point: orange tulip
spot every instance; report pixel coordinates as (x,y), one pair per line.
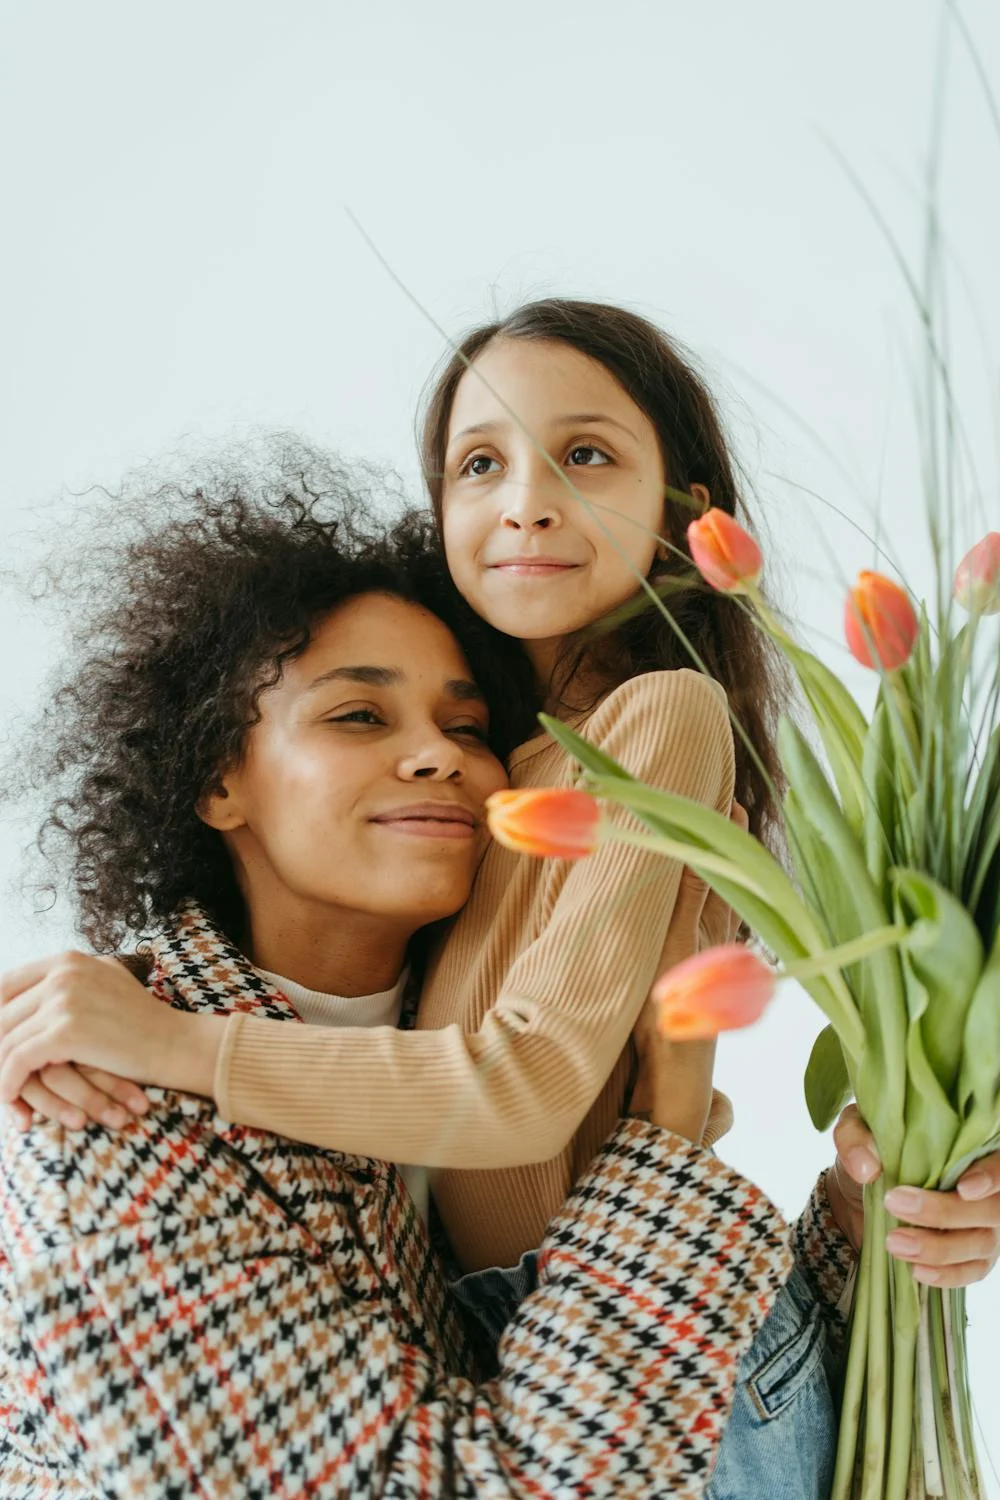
(545,821)
(878,616)
(725,555)
(721,989)
(977,577)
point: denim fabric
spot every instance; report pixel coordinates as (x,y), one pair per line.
(781,1438)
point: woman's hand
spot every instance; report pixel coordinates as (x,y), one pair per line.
(75,1009)
(950,1239)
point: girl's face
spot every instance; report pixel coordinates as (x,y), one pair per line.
(361,788)
(526,554)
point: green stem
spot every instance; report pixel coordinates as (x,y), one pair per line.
(846,954)
(879,1391)
(852,1400)
(930,1458)
(674,849)
(902,1432)
(951,1472)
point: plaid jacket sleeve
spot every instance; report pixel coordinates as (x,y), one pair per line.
(193,1309)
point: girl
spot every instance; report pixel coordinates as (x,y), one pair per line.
(521,1057)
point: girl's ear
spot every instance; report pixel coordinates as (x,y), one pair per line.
(221,808)
(701,494)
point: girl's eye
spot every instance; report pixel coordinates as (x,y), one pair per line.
(356,716)
(478,465)
(586,455)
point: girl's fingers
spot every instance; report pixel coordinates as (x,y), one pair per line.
(40,1099)
(945,1211)
(953,1276)
(15,981)
(981,1180)
(23,1114)
(856,1146)
(69,1085)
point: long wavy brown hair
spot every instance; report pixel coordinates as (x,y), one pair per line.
(720,632)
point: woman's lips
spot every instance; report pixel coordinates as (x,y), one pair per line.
(429,820)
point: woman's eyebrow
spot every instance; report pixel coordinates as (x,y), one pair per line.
(464,690)
(370,676)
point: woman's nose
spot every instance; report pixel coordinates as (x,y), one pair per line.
(438,758)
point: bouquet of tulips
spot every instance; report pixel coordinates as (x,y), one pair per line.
(891,922)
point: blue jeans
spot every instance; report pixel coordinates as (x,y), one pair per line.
(781,1438)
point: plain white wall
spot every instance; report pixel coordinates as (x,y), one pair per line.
(176,261)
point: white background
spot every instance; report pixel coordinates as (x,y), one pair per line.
(176,262)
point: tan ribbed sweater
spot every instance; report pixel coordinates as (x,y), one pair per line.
(526,1013)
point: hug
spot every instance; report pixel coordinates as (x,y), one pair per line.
(365,1176)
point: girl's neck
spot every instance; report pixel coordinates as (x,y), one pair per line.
(562,697)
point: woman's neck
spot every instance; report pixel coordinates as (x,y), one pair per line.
(332,952)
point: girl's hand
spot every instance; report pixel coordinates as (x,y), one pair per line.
(92,1012)
(950,1239)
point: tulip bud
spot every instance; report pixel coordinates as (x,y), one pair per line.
(563,823)
(725,555)
(879,618)
(721,989)
(977,577)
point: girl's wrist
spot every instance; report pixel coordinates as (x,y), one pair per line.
(187,1059)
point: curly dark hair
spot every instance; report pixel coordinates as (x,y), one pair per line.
(662,380)
(180,627)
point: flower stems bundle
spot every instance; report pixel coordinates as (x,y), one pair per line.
(890,919)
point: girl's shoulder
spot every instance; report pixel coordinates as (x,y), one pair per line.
(653,694)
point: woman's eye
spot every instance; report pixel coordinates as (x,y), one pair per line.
(585,454)
(356,716)
(478,465)
(475,730)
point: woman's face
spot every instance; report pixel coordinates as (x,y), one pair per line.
(361,788)
(526,554)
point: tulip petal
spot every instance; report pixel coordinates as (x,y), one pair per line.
(880,622)
(725,554)
(721,989)
(564,823)
(977,577)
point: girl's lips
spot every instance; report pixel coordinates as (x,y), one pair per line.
(533,567)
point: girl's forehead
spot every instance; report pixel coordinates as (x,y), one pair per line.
(532,376)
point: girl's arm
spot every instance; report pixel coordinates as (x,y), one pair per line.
(515,1091)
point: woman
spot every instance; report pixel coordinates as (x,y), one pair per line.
(279,759)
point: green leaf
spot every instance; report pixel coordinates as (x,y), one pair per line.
(979,1077)
(782,919)
(880,800)
(945,954)
(827,1081)
(842,728)
(852,904)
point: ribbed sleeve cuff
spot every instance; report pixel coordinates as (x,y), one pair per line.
(224,1066)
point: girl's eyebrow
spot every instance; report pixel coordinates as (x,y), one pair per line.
(460,688)
(572,419)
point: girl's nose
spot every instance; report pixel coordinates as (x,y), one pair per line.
(529,504)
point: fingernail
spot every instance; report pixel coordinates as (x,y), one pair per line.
(116,1118)
(906,1246)
(904,1200)
(976,1185)
(73,1119)
(139,1104)
(925,1274)
(863,1164)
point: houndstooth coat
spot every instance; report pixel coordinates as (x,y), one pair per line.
(190,1308)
